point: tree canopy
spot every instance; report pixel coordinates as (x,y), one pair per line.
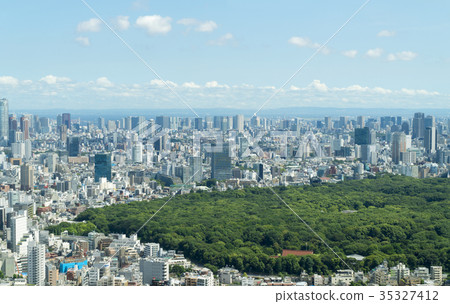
(396,218)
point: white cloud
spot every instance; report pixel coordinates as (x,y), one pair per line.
(215,84)
(140,5)
(188,21)
(27,82)
(306,42)
(405,56)
(122,22)
(356,88)
(154,24)
(8,80)
(319,86)
(207,26)
(91,25)
(83,41)
(190,85)
(160,83)
(386,33)
(222,40)
(350,53)
(104,82)
(50,79)
(382,90)
(197,25)
(412,92)
(374,53)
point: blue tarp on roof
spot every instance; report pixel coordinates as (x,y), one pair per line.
(63,267)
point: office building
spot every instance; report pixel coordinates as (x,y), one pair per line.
(429,122)
(418,125)
(360,121)
(137,153)
(73,146)
(103,166)
(343,121)
(163,121)
(198,123)
(398,146)
(66,120)
(154,269)
(4,121)
(430,140)
(36,264)
(260,172)
(238,123)
(26,177)
(101,123)
(25,126)
(137,123)
(362,136)
(18,231)
(328,123)
(196,171)
(221,162)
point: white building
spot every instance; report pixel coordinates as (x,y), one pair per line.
(151,250)
(157,269)
(36,264)
(18,231)
(343,277)
(436,273)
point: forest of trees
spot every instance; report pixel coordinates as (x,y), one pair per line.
(394,218)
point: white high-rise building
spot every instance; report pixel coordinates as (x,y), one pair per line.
(18,231)
(151,250)
(137,153)
(238,123)
(36,264)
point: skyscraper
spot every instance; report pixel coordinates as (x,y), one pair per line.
(398,146)
(221,162)
(238,123)
(66,120)
(137,153)
(4,121)
(360,121)
(429,122)
(163,121)
(430,141)
(362,136)
(260,172)
(328,123)
(18,230)
(26,177)
(36,264)
(418,125)
(195,165)
(25,127)
(73,146)
(103,166)
(100,122)
(198,123)
(343,121)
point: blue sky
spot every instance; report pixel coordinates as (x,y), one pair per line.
(57,54)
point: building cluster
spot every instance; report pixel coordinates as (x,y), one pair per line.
(382,275)
(54,168)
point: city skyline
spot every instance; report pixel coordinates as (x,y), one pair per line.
(224,55)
